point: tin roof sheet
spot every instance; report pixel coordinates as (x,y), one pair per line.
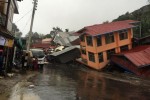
(140,58)
(107,27)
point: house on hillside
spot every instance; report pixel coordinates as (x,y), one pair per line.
(66,39)
(100,41)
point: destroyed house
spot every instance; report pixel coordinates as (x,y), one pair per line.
(99,41)
(136,60)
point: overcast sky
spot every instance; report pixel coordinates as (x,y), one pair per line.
(71,14)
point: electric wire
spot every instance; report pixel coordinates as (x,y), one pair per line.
(26,24)
(23,16)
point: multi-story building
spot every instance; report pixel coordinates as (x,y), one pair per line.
(99,42)
(7,10)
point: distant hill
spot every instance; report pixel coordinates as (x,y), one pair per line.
(143,15)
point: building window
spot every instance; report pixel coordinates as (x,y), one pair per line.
(123,34)
(100,56)
(109,53)
(91,56)
(82,38)
(124,48)
(109,38)
(99,41)
(83,52)
(89,41)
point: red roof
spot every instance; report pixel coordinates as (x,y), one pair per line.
(42,45)
(107,27)
(140,56)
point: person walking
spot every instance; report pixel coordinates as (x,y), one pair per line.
(35,63)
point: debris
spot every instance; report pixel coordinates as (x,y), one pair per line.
(1,77)
(10,74)
(31,86)
(66,55)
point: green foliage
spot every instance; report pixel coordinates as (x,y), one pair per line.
(142,15)
(15,28)
(55,30)
(47,36)
(16,32)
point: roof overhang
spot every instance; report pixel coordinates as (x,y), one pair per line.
(114,31)
(81,31)
(6,33)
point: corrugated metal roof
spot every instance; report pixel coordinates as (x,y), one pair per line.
(107,27)
(64,50)
(140,58)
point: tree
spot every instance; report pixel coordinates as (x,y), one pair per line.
(41,36)
(16,32)
(35,35)
(47,36)
(105,22)
(142,15)
(15,28)
(55,30)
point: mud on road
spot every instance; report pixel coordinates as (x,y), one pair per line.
(7,83)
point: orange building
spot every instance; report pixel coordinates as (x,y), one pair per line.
(99,41)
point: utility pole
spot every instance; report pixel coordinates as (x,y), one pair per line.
(31,26)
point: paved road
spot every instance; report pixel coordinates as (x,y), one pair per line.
(66,82)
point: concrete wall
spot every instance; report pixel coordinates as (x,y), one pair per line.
(104,47)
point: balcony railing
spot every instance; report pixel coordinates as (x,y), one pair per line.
(2,19)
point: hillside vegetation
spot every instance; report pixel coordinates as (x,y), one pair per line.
(143,15)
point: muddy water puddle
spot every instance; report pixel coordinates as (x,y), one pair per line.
(67,83)
(22,91)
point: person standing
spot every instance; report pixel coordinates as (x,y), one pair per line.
(35,63)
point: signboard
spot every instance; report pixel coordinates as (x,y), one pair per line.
(9,43)
(2,41)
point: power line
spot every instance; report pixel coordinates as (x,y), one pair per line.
(26,24)
(23,16)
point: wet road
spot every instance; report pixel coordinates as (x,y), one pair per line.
(65,82)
